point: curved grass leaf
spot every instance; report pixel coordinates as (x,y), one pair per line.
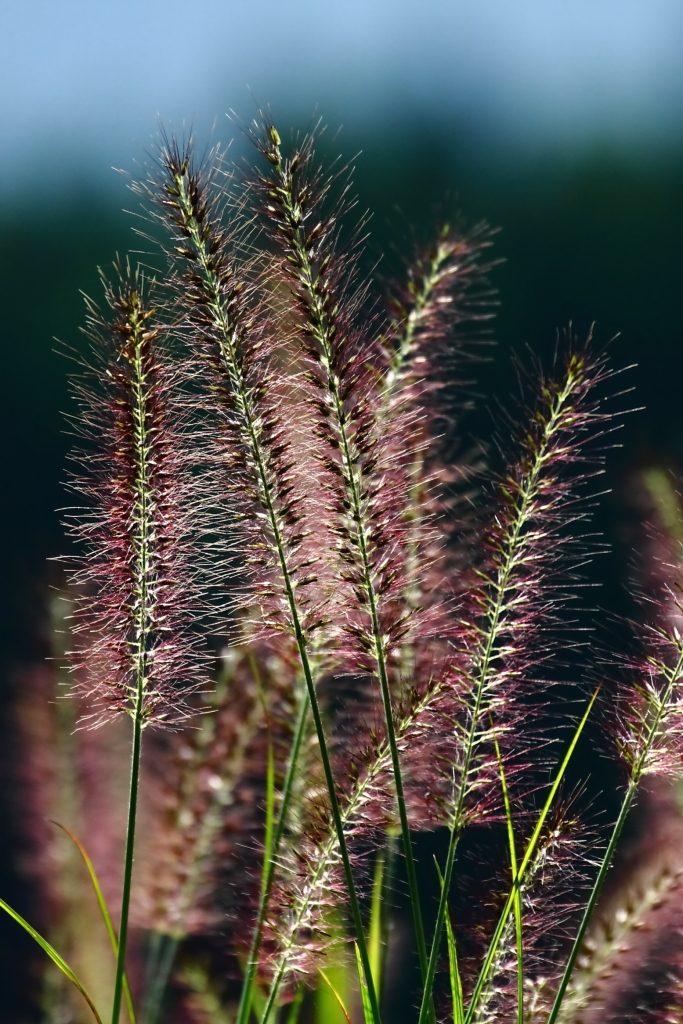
(456,984)
(528,854)
(375,934)
(54,956)
(368,1015)
(104,910)
(336,995)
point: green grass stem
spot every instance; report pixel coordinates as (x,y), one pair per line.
(509,824)
(128,862)
(104,910)
(528,854)
(636,775)
(323,330)
(251,436)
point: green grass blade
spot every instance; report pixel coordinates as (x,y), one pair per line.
(604,868)
(513,869)
(257,999)
(528,854)
(54,956)
(268,840)
(368,1015)
(375,936)
(295,1006)
(248,986)
(162,956)
(456,984)
(270,812)
(136,749)
(336,995)
(104,910)
(673,677)
(332,998)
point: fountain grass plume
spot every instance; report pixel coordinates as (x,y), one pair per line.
(256,448)
(135,578)
(137,600)
(267,454)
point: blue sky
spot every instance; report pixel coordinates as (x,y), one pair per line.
(84,81)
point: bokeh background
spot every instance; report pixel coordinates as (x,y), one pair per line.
(560,121)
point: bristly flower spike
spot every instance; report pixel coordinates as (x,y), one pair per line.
(446,288)
(140,653)
(506,637)
(364,477)
(650,726)
(239,356)
(436,318)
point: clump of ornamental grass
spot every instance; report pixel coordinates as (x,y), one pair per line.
(333,639)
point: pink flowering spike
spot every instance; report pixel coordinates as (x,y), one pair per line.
(437,316)
(138,652)
(266,490)
(258,461)
(648,716)
(512,617)
(358,466)
(363,459)
(554,885)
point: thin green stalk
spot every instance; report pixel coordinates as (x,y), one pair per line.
(54,956)
(518,894)
(104,911)
(363,986)
(162,960)
(387,894)
(268,875)
(453,969)
(614,839)
(528,854)
(375,931)
(229,355)
(270,776)
(128,862)
(270,809)
(325,334)
(142,569)
(528,491)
